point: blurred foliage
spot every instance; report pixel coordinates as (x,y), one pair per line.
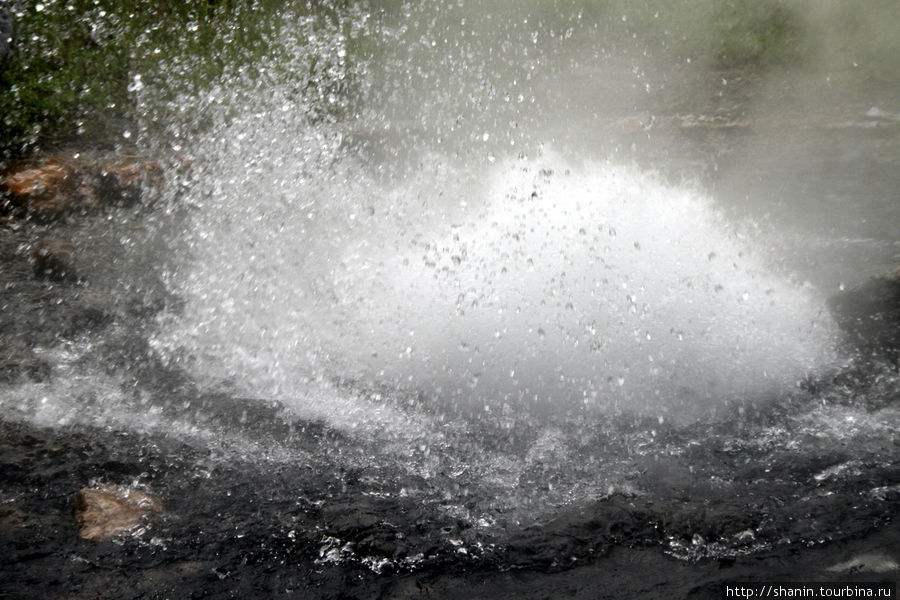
(763,32)
(724,33)
(822,35)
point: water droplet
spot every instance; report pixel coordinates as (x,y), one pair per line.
(136,84)
(745,536)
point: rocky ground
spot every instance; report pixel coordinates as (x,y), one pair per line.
(226,531)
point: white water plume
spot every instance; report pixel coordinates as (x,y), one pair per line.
(529,285)
(537,286)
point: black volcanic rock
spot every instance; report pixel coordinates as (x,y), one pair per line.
(870,314)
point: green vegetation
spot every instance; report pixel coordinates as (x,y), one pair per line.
(74,60)
(79,63)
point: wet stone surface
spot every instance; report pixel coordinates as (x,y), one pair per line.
(229,530)
(870,314)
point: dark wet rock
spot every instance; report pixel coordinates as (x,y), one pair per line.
(349,520)
(14,517)
(121,182)
(91,309)
(360,526)
(584,531)
(870,314)
(53,258)
(107,512)
(23,364)
(237,530)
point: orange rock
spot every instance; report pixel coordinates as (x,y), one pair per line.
(45,193)
(132,173)
(71,183)
(40,182)
(109,511)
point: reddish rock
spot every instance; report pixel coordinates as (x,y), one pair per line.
(50,209)
(106,512)
(41,182)
(44,193)
(134,172)
(87,196)
(75,183)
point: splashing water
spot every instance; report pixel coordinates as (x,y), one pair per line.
(539,285)
(507,325)
(438,291)
(533,285)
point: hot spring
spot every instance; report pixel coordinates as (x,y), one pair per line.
(447,270)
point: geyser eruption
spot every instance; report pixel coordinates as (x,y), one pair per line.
(593,286)
(533,286)
(437,248)
(426,294)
